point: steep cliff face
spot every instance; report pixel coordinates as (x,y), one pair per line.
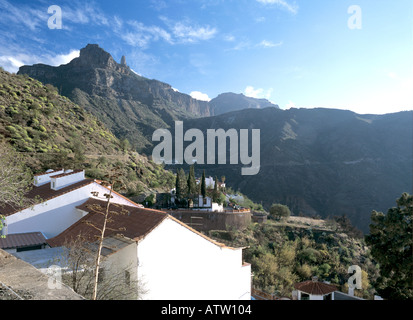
(130,105)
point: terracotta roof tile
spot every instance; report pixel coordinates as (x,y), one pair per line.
(21,240)
(44,193)
(138,222)
(315,287)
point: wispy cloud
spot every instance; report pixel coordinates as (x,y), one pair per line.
(25,16)
(269,44)
(84,13)
(246,44)
(186,31)
(293,8)
(141,35)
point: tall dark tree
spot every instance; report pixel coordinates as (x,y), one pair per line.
(391,242)
(203,185)
(181,184)
(191,181)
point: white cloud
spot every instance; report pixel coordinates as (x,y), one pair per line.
(259,93)
(290,105)
(269,44)
(200,96)
(293,8)
(64,58)
(13,63)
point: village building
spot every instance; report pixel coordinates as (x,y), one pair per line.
(316,290)
(56,194)
(171,260)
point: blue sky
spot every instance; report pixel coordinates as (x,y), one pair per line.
(296,53)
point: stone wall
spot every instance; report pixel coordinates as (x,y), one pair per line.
(206,221)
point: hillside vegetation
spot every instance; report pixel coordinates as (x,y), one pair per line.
(51,131)
(284,253)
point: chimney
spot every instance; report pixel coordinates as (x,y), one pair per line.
(43,178)
(123,61)
(314,279)
(66,179)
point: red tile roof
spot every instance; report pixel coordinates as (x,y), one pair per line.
(315,287)
(137,222)
(21,240)
(43,193)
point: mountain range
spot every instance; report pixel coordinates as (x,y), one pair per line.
(130,105)
(317,161)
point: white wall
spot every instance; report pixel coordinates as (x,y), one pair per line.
(56,215)
(177,264)
(122,260)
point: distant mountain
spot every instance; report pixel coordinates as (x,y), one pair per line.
(227,102)
(322,161)
(131,106)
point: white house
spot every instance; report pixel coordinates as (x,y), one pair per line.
(60,192)
(170,259)
(314,290)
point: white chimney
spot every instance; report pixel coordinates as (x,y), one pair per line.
(43,178)
(66,179)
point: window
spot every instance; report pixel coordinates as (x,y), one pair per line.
(305,296)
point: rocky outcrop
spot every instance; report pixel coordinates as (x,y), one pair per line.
(132,106)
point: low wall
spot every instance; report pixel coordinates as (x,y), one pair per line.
(206,221)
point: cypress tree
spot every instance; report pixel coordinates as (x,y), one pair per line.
(191,181)
(203,185)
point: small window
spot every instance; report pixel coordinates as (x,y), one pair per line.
(53,185)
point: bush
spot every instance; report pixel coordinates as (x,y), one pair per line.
(280,212)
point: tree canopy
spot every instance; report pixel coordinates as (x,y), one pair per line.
(391,244)
(280,211)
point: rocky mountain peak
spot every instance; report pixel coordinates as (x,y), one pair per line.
(93,56)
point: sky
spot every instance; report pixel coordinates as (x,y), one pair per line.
(355,55)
